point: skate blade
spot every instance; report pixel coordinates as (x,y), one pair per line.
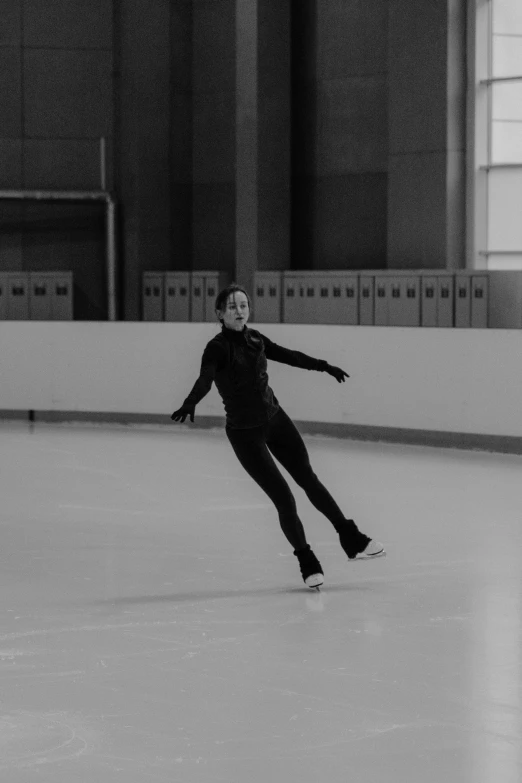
(314,581)
(369,557)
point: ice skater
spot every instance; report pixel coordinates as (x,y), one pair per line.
(257,427)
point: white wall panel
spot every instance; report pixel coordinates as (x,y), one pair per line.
(436,379)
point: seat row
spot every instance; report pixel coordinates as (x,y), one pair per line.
(36,296)
(419,298)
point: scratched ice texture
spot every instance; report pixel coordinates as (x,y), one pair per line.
(154,625)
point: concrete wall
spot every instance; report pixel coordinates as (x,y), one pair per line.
(379,134)
(181,133)
(340,134)
(56,101)
(143,144)
(199,101)
(214,150)
(263,137)
(426,157)
(461,381)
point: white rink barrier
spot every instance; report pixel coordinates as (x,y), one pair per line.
(463,381)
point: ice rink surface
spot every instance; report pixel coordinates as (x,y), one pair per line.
(155,627)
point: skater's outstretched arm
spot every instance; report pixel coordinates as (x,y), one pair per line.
(298,359)
(212,356)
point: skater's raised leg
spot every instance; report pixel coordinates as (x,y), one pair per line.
(286,444)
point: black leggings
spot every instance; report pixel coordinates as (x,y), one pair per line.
(281,437)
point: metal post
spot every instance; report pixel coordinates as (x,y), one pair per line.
(111,258)
(52,195)
(110,228)
(103,166)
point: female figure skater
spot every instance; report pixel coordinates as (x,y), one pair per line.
(236,360)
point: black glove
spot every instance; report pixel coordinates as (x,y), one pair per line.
(336,373)
(185,410)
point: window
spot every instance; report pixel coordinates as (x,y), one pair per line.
(497,137)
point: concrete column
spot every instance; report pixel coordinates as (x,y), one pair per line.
(340,134)
(426,111)
(181,133)
(213,133)
(142,150)
(262,137)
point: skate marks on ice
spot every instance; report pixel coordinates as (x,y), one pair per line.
(31,739)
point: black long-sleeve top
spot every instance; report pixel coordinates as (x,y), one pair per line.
(237,363)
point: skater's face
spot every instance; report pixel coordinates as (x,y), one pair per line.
(236,312)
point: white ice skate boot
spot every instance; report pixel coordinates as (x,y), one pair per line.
(372,550)
(310,567)
(357,545)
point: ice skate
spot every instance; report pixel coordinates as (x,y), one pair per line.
(360,547)
(372,550)
(310,566)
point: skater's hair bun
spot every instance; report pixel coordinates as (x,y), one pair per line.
(222,297)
